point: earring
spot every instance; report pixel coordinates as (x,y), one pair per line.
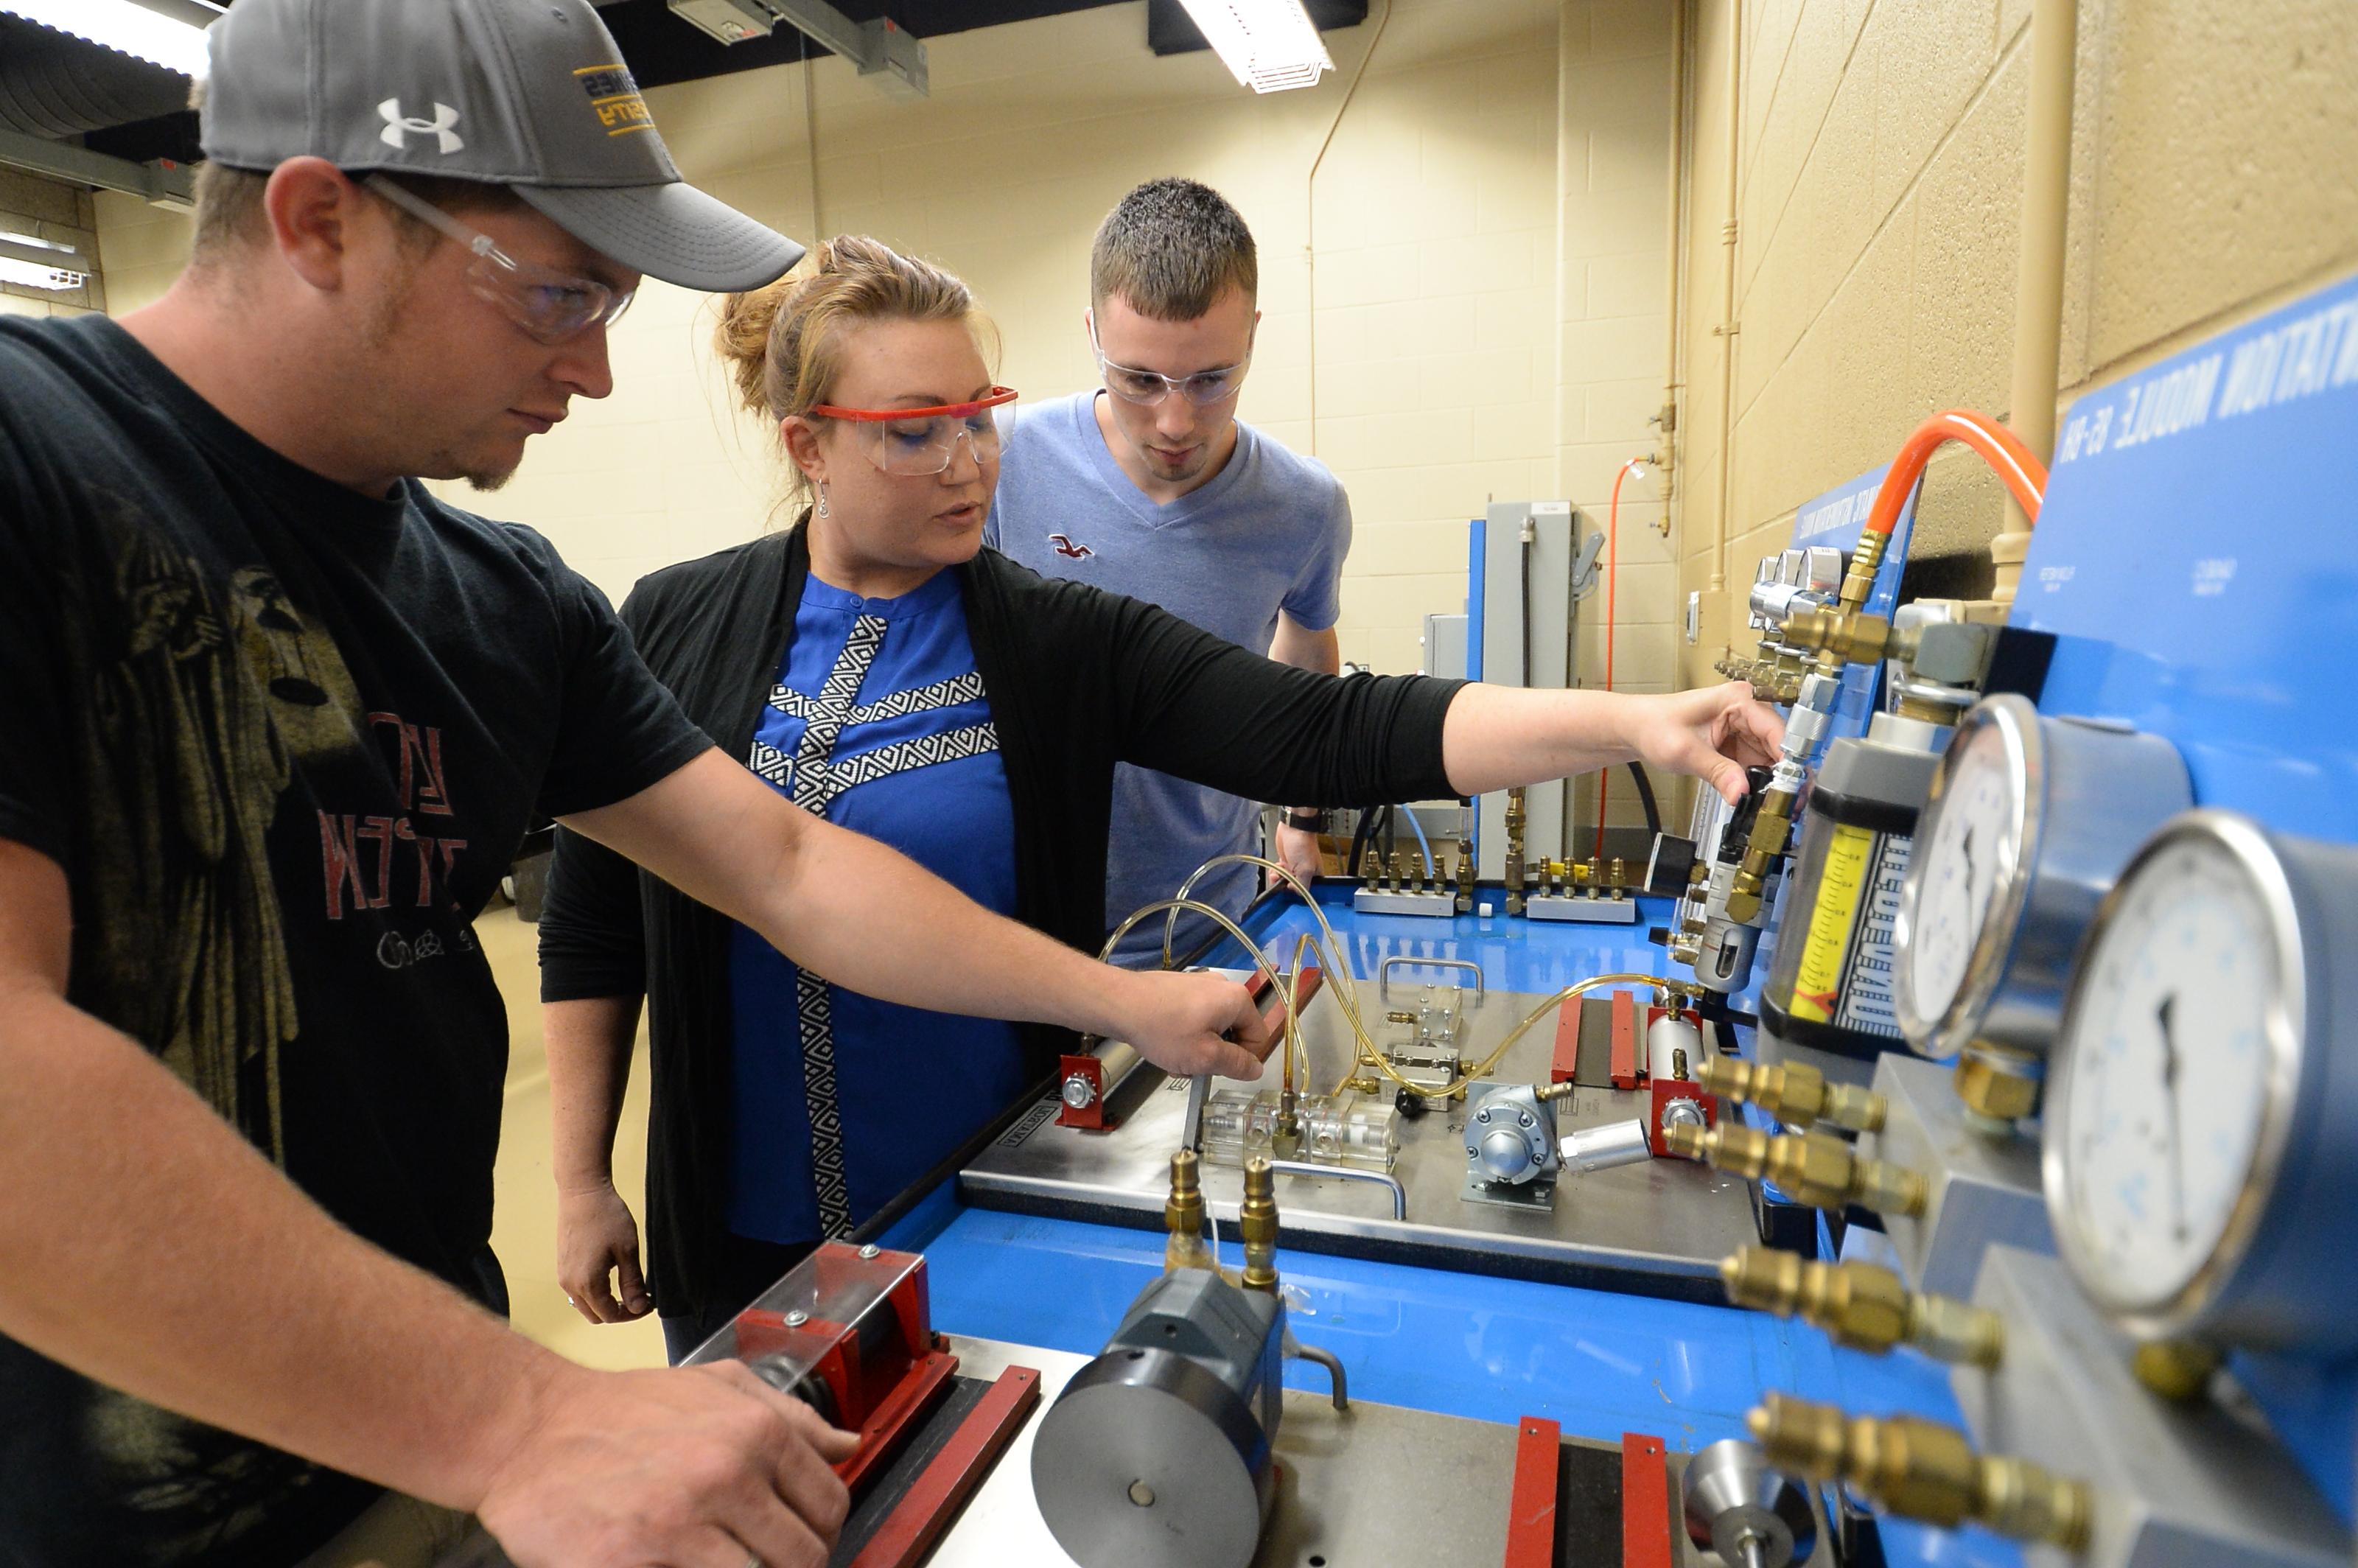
(822,501)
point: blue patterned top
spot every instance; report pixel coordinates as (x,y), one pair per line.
(877,722)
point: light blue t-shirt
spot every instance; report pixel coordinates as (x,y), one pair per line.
(877,721)
(1269,532)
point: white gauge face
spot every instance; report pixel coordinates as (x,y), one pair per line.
(2164,1092)
(1975,835)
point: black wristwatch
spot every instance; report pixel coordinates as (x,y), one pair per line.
(1307,821)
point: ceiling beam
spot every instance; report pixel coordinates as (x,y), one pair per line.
(879,47)
(165,184)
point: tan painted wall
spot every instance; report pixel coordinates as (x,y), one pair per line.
(1881,171)
(1456,360)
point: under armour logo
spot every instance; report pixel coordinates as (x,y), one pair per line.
(398,127)
(1070,551)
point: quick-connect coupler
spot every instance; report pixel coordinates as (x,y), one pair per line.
(1920,1469)
(1183,1215)
(1794,1093)
(1256,1220)
(1812,1168)
(1862,1306)
(1859,580)
(1772,825)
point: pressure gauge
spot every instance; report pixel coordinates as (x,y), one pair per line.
(2030,819)
(2200,1150)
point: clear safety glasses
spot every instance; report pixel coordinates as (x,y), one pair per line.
(915,442)
(1203,389)
(551,306)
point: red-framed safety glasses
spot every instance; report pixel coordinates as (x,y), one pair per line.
(915,442)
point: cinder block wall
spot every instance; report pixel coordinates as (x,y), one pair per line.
(1456,359)
(1879,173)
(63,214)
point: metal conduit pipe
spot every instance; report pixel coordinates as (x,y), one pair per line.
(1675,250)
(1726,328)
(2039,295)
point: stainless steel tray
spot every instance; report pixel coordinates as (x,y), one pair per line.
(1658,1228)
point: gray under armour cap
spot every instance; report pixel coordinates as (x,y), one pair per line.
(532,94)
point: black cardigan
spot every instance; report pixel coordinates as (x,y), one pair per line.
(1076,680)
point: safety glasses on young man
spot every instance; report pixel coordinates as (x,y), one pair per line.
(1203,389)
(551,306)
(915,442)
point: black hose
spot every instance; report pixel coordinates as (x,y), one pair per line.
(1646,794)
(1530,533)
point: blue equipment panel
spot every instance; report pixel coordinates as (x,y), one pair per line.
(2197,561)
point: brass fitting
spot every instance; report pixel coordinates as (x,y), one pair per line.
(1844,636)
(1512,874)
(1862,1306)
(1921,1469)
(1794,1093)
(1814,1168)
(1370,866)
(2177,1369)
(1465,900)
(1859,580)
(1183,1215)
(1988,1088)
(1771,825)
(1258,1222)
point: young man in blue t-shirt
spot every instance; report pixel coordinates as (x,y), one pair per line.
(1151,487)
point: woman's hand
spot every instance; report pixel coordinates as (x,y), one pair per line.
(1714,733)
(598,1255)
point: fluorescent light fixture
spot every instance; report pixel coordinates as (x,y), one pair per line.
(36,262)
(31,262)
(122,26)
(1268,45)
(27,277)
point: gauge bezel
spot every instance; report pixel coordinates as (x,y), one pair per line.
(2017,723)
(2285,1026)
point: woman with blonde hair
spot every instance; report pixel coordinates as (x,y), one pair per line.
(878,665)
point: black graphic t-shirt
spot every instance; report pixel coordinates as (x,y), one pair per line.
(284,740)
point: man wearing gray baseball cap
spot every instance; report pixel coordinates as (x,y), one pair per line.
(274,721)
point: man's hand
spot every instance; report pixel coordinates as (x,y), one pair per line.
(1297,851)
(1175,1020)
(1713,732)
(707,1465)
(597,1239)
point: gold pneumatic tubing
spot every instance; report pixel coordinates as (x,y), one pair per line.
(1344,995)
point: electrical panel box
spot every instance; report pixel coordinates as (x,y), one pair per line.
(1445,646)
(1521,622)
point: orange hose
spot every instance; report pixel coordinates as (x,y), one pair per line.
(1612,580)
(2013,462)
